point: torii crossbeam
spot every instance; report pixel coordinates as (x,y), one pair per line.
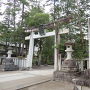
(49,25)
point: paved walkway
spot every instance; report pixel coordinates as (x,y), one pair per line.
(24,74)
(12,80)
(35,79)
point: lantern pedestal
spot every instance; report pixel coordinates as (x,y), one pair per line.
(69,66)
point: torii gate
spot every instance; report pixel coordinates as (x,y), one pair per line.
(42,34)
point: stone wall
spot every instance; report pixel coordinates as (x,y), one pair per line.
(82,82)
(65,76)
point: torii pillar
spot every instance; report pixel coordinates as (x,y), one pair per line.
(89,38)
(30,52)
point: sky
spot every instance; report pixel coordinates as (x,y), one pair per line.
(2,8)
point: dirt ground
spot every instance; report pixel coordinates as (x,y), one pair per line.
(51,85)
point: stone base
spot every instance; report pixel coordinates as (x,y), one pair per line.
(65,76)
(83,81)
(77,87)
(9,67)
(69,66)
(67,69)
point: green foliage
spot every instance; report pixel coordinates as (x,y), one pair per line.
(36,17)
(77,25)
(80,51)
(47,50)
(20,57)
(4,33)
(39,19)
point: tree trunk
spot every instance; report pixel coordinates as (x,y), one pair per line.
(19,49)
(40,54)
(15,28)
(23,37)
(79,24)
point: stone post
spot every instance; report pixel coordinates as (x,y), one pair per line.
(82,67)
(87,64)
(59,62)
(9,52)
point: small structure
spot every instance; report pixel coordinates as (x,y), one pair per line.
(69,67)
(7,63)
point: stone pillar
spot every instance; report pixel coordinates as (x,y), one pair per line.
(87,64)
(30,52)
(82,66)
(56,51)
(9,52)
(89,38)
(59,62)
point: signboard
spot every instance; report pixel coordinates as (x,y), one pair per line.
(41,30)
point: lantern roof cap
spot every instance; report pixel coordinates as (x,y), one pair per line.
(69,42)
(10,48)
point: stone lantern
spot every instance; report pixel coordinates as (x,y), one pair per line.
(69,49)
(69,67)
(8,63)
(9,52)
(69,64)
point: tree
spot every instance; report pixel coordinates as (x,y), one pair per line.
(4,35)
(36,17)
(78,25)
(13,7)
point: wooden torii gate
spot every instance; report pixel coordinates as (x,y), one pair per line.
(42,34)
